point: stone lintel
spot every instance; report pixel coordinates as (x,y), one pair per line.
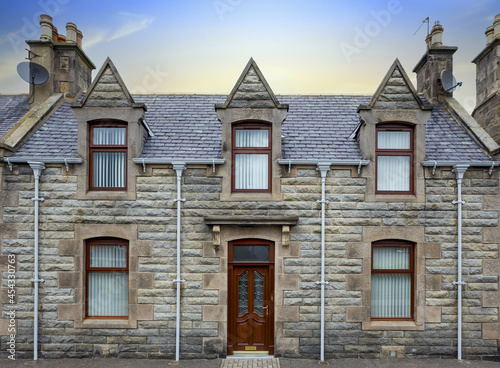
(251,221)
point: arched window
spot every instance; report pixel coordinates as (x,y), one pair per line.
(251,171)
(108,156)
(392,280)
(107,269)
(394,159)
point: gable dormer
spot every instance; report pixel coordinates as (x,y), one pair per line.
(251,120)
(396,92)
(392,137)
(251,91)
(110,134)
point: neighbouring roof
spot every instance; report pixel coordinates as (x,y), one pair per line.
(317,127)
(12,108)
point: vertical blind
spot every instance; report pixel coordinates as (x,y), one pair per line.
(252,138)
(109,136)
(251,171)
(108,291)
(393,140)
(391,293)
(393,173)
(108,167)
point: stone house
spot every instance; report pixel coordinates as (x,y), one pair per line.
(190,226)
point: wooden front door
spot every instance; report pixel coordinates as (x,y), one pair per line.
(251,297)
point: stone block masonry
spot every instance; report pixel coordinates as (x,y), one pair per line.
(149,223)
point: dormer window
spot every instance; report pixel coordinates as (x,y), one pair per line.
(108,156)
(394,157)
(251,158)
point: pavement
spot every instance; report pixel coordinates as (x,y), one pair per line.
(248,363)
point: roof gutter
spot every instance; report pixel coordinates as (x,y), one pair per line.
(45,160)
(434,164)
(171,161)
(315,162)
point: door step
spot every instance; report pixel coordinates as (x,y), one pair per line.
(266,361)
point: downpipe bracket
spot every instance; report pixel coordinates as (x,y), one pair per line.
(178,281)
(457,202)
(459,283)
(180,199)
(326,201)
(34,199)
(322,283)
(37,280)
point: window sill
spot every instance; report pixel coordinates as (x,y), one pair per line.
(108,323)
(250,196)
(107,195)
(393,326)
(378,197)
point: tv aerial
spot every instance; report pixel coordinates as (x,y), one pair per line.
(32,73)
(448,81)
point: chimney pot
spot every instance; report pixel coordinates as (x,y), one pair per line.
(489,35)
(71,32)
(428,42)
(61,38)
(79,36)
(437,35)
(46,25)
(54,34)
(496,26)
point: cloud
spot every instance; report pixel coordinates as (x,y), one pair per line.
(132,23)
(95,37)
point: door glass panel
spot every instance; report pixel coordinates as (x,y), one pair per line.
(251,253)
(258,290)
(243,293)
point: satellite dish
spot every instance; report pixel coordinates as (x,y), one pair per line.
(32,73)
(448,81)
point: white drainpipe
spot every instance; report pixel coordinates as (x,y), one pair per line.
(37,171)
(179,167)
(459,170)
(323,168)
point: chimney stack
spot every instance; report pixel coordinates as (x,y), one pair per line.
(70,70)
(429,68)
(487,110)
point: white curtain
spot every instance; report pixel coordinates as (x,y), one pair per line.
(391,293)
(108,291)
(394,140)
(252,138)
(393,173)
(251,171)
(109,136)
(108,169)
(391,258)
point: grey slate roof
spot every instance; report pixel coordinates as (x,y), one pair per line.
(446,140)
(185,126)
(317,127)
(12,108)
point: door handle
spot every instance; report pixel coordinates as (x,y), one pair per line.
(267,310)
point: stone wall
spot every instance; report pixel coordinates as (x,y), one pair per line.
(351,225)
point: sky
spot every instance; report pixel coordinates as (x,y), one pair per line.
(301,46)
